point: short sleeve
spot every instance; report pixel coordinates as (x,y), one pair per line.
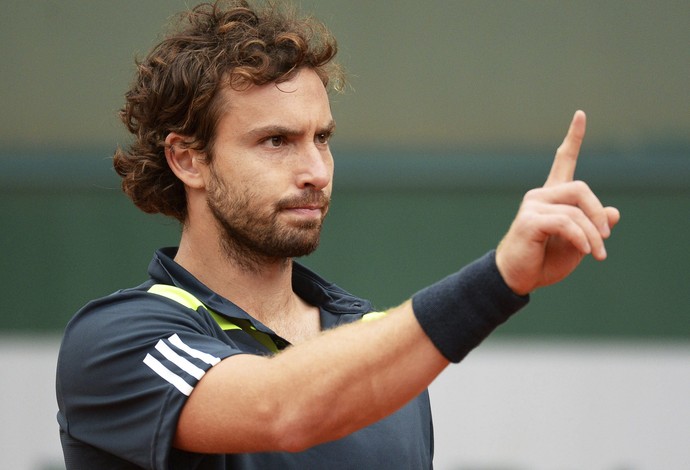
(126,366)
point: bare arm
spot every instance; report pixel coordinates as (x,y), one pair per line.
(321,390)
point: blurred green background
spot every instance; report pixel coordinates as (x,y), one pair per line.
(454,111)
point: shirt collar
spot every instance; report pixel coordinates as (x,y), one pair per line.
(337,305)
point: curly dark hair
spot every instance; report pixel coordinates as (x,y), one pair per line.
(177,86)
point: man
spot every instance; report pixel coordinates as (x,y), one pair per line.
(232,355)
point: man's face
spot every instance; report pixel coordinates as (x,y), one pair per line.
(269,182)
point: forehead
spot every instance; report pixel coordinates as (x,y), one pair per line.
(299,102)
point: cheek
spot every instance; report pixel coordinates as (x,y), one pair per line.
(332,171)
(330,165)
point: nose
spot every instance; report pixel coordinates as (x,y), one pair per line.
(315,168)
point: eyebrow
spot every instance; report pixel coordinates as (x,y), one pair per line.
(287,131)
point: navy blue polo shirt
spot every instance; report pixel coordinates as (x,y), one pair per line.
(129,361)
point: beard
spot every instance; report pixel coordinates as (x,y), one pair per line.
(252,235)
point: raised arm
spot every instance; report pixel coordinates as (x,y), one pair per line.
(352,376)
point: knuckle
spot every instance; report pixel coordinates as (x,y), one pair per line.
(562,220)
(581,186)
(529,217)
(532,194)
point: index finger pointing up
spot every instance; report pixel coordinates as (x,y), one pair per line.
(565,161)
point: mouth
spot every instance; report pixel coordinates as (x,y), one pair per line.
(311,206)
(309,211)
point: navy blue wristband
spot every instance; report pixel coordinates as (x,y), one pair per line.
(460,311)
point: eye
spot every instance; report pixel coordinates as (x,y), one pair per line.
(275,141)
(322,138)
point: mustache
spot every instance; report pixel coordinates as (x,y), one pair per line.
(311,198)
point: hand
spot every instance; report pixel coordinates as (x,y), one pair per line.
(556,225)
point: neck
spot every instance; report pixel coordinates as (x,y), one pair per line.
(257,285)
(264,290)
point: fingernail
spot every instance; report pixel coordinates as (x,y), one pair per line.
(605,230)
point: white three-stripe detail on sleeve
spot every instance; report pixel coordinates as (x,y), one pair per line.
(179,361)
(165,373)
(184,364)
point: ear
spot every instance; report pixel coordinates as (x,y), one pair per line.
(184,161)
